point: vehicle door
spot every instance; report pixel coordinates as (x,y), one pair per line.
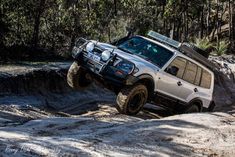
(170,81)
(188,88)
(196,82)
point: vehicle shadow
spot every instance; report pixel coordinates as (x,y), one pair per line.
(151,111)
(95,109)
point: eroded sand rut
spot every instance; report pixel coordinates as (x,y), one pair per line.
(34,91)
(33,78)
(30,88)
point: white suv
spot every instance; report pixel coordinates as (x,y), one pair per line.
(157,70)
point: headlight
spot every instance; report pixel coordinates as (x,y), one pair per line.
(90,47)
(105,55)
(125,66)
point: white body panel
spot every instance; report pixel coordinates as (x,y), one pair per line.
(166,83)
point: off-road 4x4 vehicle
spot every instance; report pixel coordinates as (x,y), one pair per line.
(138,69)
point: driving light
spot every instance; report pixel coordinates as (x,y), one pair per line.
(90,47)
(105,55)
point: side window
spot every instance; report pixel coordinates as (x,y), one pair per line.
(206,79)
(177,67)
(198,76)
(190,72)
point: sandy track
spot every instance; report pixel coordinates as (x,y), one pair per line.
(62,122)
(120,135)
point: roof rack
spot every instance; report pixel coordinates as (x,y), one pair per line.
(185,48)
(163,39)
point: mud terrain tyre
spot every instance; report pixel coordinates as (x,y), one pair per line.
(76,77)
(131,99)
(192,109)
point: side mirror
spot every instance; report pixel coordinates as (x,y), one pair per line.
(130,31)
(173,70)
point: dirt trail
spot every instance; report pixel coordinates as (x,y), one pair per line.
(32,91)
(120,135)
(41,116)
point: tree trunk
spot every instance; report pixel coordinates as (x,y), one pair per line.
(37,23)
(172,31)
(186,24)
(1,29)
(18,24)
(88,9)
(164,21)
(178,37)
(199,24)
(115,7)
(217,23)
(232,25)
(202,23)
(77,27)
(184,27)
(109,34)
(230,17)
(208,17)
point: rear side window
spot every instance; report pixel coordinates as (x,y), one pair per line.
(198,76)
(206,79)
(180,64)
(190,72)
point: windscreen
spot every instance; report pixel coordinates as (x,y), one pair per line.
(148,50)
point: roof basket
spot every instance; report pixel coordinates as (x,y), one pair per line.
(185,48)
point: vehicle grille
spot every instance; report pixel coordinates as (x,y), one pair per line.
(97,50)
(93,65)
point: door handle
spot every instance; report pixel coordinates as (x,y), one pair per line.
(179,83)
(195,90)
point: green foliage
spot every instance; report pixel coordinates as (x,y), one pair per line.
(203,43)
(221,48)
(60,22)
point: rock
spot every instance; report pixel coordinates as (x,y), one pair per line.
(228,102)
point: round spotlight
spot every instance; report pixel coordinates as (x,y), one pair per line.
(105,55)
(90,47)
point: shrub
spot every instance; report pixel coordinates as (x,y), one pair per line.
(203,43)
(221,48)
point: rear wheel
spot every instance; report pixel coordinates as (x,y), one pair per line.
(192,109)
(76,77)
(130,100)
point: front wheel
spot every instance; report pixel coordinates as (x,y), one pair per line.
(76,77)
(131,99)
